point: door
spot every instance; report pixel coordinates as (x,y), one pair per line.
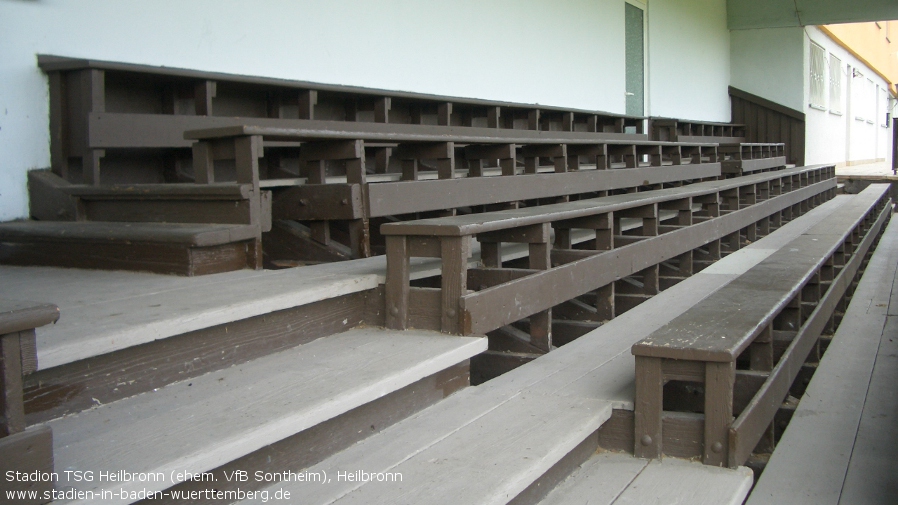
(634,32)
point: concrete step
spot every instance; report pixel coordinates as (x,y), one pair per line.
(201,424)
(610,478)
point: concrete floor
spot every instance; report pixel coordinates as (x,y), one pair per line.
(879,168)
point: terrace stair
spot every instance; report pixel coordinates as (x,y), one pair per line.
(542,420)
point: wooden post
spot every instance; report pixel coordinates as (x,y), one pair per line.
(454,253)
(720,378)
(307,101)
(203,94)
(541,322)
(12,406)
(648,408)
(203,162)
(396,289)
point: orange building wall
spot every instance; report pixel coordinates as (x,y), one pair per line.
(876,44)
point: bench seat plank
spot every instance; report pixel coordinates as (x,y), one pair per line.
(480,223)
(20,315)
(720,328)
(315,130)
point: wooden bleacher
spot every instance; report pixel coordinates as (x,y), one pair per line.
(849,403)
(26,449)
(512,232)
(621,265)
(102,113)
(745,360)
(737,156)
(454,447)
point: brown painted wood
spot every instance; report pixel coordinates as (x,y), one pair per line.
(705,193)
(648,408)
(454,253)
(319,202)
(565,331)
(48,200)
(491,364)
(392,199)
(20,315)
(12,410)
(504,304)
(719,381)
(155,257)
(752,423)
(397,283)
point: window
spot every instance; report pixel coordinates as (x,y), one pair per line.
(818,76)
(835,84)
(634,34)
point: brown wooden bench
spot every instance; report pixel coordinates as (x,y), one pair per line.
(744,158)
(848,403)
(745,345)
(24,450)
(737,156)
(707,218)
(180,228)
(681,130)
(131,118)
(443,149)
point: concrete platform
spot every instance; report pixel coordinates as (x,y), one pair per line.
(619,479)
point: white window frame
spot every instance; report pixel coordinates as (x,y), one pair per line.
(817,77)
(835,84)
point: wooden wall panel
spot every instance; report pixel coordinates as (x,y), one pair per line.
(767,121)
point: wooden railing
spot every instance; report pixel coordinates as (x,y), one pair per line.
(632,234)
(727,342)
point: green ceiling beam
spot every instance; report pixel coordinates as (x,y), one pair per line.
(749,14)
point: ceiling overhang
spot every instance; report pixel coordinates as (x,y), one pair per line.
(749,14)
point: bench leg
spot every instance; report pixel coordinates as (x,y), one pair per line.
(719,381)
(648,407)
(359,238)
(12,407)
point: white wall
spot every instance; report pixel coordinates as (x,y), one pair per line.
(689,59)
(768,63)
(566,53)
(842,138)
